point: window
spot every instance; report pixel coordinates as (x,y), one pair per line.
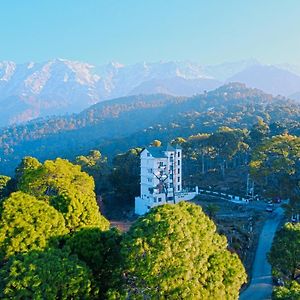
(178,171)
(178,188)
(178,162)
(171,185)
(148,154)
(178,179)
(171,176)
(161,163)
(178,154)
(150,171)
(149,179)
(159,199)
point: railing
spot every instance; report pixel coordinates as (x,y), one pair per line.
(222,195)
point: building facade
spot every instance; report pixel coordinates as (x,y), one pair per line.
(161,178)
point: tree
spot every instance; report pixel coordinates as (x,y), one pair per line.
(91,160)
(174,252)
(228,142)
(3,185)
(52,274)
(275,166)
(212,210)
(100,250)
(27,224)
(199,149)
(96,166)
(259,132)
(125,176)
(68,189)
(27,164)
(288,292)
(156,143)
(285,252)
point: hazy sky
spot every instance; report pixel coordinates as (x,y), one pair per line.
(129,31)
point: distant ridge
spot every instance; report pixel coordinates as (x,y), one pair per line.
(61,86)
(116,125)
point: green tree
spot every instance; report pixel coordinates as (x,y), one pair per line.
(125,176)
(259,132)
(27,224)
(290,291)
(68,189)
(228,142)
(285,252)
(52,274)
(174,252)
(3,185)
(96,166)
(275,166)
(27,164)
(212,210)
(100,250)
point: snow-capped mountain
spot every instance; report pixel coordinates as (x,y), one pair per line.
(61,86)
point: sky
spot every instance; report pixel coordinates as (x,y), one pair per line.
(130,31)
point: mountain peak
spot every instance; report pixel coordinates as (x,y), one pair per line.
(60,86)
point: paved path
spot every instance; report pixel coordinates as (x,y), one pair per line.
(260,287)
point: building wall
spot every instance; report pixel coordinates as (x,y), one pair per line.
(152,168)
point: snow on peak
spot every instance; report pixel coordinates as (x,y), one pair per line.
(7,69)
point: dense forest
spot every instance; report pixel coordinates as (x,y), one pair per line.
(117,125)
(55,244)
(50,217)
(50,210)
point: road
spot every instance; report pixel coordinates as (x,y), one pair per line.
(260,287)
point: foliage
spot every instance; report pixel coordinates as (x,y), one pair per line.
(27,224)
(100,250)
(174,252)
(276,163)
(52,274)
(125,176)
(68,189)
(27,164)
(97,166)
(285,252)
(3,185)
(156,143)
(288,292)
(259,132)
(147,118)
(212,210)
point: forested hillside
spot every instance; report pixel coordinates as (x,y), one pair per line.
(118,125)
(55,244)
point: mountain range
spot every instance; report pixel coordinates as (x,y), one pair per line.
(60,86)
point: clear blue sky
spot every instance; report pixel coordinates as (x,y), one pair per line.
(129,31)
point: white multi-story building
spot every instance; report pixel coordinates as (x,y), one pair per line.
(161,178)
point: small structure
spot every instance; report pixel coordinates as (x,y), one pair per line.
(161,178)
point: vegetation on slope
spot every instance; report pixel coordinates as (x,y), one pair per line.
(115,126)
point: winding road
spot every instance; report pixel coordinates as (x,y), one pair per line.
(260,287)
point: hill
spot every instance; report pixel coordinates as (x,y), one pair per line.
(270,79)
(59,86)
(116,125)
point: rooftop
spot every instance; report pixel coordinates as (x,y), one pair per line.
(158,152)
